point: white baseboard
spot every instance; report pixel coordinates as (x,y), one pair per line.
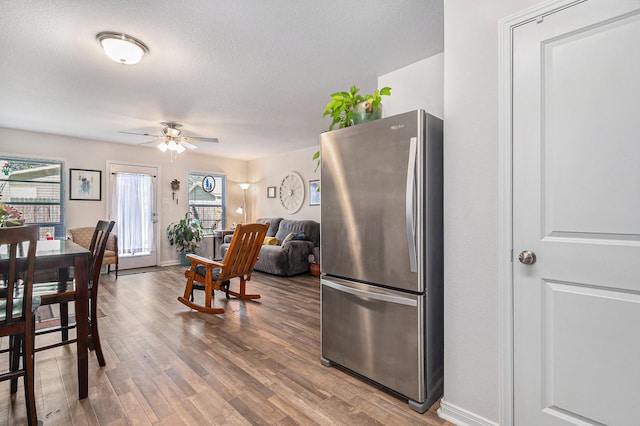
(461,417)
(170,263)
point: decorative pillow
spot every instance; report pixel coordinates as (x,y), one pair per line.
(274,223)
(270,241)
(300,236)
(288,238)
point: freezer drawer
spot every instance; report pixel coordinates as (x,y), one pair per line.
(375,332)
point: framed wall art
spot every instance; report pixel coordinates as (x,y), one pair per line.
(85,185)
(314,192)
(271,192)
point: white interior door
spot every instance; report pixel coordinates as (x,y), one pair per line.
(133,206)
(576,206)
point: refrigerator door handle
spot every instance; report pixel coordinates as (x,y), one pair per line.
(409,207)
(370,295)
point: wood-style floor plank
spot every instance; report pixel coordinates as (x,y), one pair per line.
(257,364)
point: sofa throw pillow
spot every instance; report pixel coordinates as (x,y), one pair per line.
(300,236)
(288,238)
(270,241)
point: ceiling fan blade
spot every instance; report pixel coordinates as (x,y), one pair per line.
(140,134)
(187,144)
(197,138)
(154,142)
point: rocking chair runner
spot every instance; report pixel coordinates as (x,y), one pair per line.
(210,275)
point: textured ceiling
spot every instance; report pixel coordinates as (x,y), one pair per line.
(254,73)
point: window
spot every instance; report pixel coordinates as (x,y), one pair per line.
(33,189)
(208,207)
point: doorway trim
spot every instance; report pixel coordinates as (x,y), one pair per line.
(505,195)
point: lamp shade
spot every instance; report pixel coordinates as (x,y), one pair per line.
(122,48)
(245,186)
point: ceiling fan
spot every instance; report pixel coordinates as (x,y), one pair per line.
(170,138)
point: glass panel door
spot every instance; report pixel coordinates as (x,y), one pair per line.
(133,207)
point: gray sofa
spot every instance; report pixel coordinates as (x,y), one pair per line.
(292,258)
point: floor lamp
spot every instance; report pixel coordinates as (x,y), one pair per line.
(243,209)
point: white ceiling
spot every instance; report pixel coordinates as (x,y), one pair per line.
(254,73)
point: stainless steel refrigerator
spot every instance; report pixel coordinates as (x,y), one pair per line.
(382,253)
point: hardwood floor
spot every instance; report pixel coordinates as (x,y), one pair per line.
(259,363)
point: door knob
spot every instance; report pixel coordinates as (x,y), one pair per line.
(527,257)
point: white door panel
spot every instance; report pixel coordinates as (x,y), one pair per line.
(584,368)
(576,204)
(587,110)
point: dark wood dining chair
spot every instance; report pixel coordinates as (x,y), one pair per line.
(209,275)
(17,310)
(63,292)
(83,236)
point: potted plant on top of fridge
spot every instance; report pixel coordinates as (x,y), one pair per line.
(350,108)
(185,235)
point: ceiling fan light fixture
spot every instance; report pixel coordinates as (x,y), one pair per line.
(172,132)
(122,48)
(170,139)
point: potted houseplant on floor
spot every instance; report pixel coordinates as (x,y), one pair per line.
(185,235)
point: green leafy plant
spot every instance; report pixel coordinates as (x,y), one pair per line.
(9,216)
(186,234)
(343,105)
(349,108)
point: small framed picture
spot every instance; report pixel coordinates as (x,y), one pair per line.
(314,192)
(271,192)
(85,185)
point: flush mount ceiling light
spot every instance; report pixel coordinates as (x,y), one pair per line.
(122,48)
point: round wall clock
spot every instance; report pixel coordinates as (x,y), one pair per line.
(292,192)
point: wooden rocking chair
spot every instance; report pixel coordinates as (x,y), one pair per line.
(209,275)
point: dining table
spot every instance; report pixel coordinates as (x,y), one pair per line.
(61,255)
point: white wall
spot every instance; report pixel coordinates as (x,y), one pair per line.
(269,171)
(85,154)
(472,374)
(419,85)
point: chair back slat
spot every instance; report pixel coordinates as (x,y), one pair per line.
(243,251)
(97,249)
(20,271)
